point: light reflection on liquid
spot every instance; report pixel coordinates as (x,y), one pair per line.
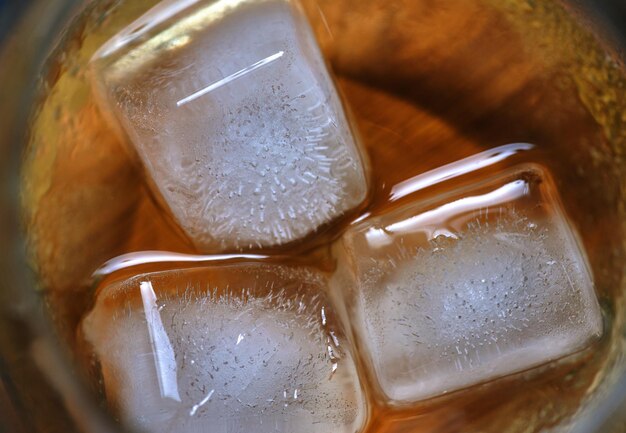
(432,221)
(457,168)
(148,257)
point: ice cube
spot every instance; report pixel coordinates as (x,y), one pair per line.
(479,283)
(231,108)
(231,348)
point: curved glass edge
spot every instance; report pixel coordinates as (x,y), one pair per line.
(27,345)
(608,415)
(606,412)
(39,388)
(607,19)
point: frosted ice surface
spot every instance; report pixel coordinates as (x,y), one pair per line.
(480,283)
(226,349)
(231,108)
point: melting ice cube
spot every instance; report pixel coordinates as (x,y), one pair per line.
(477,284)
(234,348)
(231,108)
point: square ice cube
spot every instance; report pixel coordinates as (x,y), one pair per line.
(231,348)
(231,109)
(481,282)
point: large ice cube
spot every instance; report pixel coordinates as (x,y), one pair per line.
(483,282)
(231,108)
(232,348)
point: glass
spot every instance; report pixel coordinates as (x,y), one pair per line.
(38,378)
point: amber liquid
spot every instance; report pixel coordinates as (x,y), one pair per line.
(427,84)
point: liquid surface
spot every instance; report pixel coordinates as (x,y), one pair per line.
(551,86)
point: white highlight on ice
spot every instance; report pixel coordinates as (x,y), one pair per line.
(164,359)
(204,401)
(230,78)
